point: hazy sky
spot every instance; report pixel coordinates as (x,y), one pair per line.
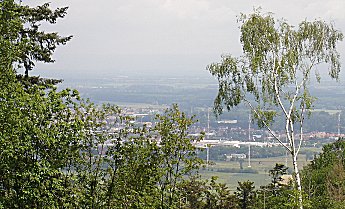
(176,37)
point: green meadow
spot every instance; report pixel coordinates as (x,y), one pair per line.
(260,166)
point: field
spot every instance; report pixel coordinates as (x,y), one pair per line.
(260,165)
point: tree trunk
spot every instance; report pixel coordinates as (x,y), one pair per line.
(297,180)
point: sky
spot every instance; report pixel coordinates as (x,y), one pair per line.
(163,37)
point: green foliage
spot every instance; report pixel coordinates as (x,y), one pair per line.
(274,72)
(325,177)
(20,28)
(124,166)
(246,194)
(277,172)
(204,194)
(280,193)
(287,198)
(274,54)
(40,137)
(59,151)
(40,128)
(177,154)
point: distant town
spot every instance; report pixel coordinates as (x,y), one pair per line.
(226,137)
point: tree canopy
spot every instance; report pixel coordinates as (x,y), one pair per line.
(324,177)
(273,74)
(21,32)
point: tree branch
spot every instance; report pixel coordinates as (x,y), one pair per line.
(268,128)
(276,91)
(301,130)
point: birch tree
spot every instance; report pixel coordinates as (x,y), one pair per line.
(273,74)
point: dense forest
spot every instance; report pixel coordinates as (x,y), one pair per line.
(59,150)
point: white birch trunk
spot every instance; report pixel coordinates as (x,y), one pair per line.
(297,180)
